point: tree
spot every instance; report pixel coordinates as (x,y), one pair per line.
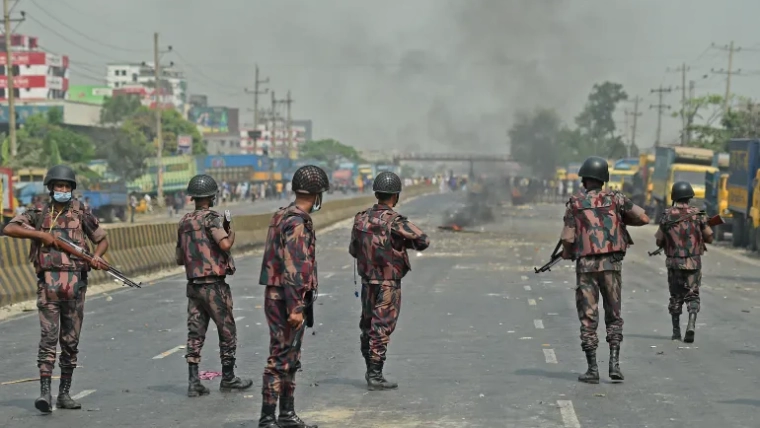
(330,151)
(596,120)
(126,151)
(172,125)
(119,108)
(535,141)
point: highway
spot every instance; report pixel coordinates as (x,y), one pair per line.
(482,341)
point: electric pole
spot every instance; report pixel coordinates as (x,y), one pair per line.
(731,49)
(9,76)
(683,69)
(660,107)
(636,114)
(690,117)
(256,92)
(272,142)
(288,101)
(157,89)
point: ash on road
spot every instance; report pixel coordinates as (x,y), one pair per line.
(481,342)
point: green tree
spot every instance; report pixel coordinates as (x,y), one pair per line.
(535,141)
(119,108)
(596,121)
(172,125)
(126,150)
(330,151)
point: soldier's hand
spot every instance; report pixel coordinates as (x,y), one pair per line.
(47,239)
(295,319)
(97,263)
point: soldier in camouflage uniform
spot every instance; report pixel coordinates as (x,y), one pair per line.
(595,236)
(289,272)
(62,278)
(204,242)
(683,233)
(379,240)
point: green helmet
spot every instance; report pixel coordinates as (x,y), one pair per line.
(681,190)
(61,173)
(202,186)
(595,168)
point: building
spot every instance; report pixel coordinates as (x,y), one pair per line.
(140,79)
(276,138)
(38,76)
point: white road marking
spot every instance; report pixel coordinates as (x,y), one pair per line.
(329,275)
(79,396)
(346,267)
(167,353)
(538,323)
(239,318)
(527,288)
(532,302)
(550,356)
(568,414)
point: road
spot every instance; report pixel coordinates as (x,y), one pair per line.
(238,208)
(482,342)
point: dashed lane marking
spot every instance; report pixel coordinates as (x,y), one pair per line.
(527,287)
(346,267)
(532,302)
(329,275)
(167,353)
(79,396)
(568,414)
(239,318)
(538,323)
(550,356)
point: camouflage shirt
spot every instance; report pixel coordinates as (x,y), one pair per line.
(379,242)
(289,265)
(198,237)
(681,233)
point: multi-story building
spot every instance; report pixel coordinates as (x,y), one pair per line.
(37,75)
(274,136)
(140,79)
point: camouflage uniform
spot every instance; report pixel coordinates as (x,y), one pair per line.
(379,240)
(289,272)
(682,233)
(62,281)
(209,296)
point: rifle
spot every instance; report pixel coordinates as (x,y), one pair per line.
(227,220)
(555,258)
(715,220)
(308,312)
(70,247)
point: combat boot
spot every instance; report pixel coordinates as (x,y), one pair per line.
(366,372)
(676,327)
(45,403)
(195,388)
(689,336)
(375,379)
(592,374)
(288,417)
(615,373)
(230,382)
(64,400)
(268,418)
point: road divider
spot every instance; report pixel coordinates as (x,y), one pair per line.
(148,248)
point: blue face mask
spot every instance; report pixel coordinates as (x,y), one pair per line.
(62,197)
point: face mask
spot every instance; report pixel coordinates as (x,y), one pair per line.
(62,197)
(317,204)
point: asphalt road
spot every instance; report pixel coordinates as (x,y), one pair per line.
(482,342)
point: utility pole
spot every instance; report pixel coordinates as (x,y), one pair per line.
(690,117)
(272,141)
(159,134)
(731,49)
(636,116)
(660,107)
(9,75)
(256,92)
(683,69)
(288,101)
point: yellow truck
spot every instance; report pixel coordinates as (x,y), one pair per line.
(716,195)
(622,181)
(673,164)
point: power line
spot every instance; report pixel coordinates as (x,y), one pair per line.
(660,107)
(187,64)
(66,39)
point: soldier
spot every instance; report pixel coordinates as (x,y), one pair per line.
(289,272)
(62,278)
(595,236)
(204,242)
(683,233)
(379,240)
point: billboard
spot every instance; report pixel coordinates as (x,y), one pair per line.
(209,120)
(24,111)
(185,144)
(89,94)
(199,100)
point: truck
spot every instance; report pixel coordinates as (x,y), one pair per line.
(642,181)
(716,194)
(744,160)
(107,201)
(673,164)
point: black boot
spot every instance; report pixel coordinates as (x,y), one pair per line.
(592,374)
(45,403)
(689,336)
(195,388)
(676,326)
(64,400)
(375,379)
(615,373)
(366,372)
(268,418)
(288,417)
(230,382)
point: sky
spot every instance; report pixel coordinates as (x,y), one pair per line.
(416,75)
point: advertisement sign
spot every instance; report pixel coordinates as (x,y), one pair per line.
(23,82)
(89,94)
(210,120)
(185,144)
(24,111)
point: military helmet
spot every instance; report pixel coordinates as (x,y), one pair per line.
(387,182)
(310,180)
(595,168)
(202,186)
(61,173)
(681,190)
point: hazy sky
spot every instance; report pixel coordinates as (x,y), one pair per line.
(443,75)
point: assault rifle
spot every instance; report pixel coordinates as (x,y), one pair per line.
(75,250)
(715,220)
(555,258)
(308,313)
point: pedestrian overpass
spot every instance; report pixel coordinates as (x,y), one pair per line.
(452,157)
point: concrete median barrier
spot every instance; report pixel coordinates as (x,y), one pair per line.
(148,248)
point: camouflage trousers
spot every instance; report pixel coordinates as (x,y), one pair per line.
(684,287)
(590,284)
(210,302)
(381,306)
(60,304)
(284,360)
